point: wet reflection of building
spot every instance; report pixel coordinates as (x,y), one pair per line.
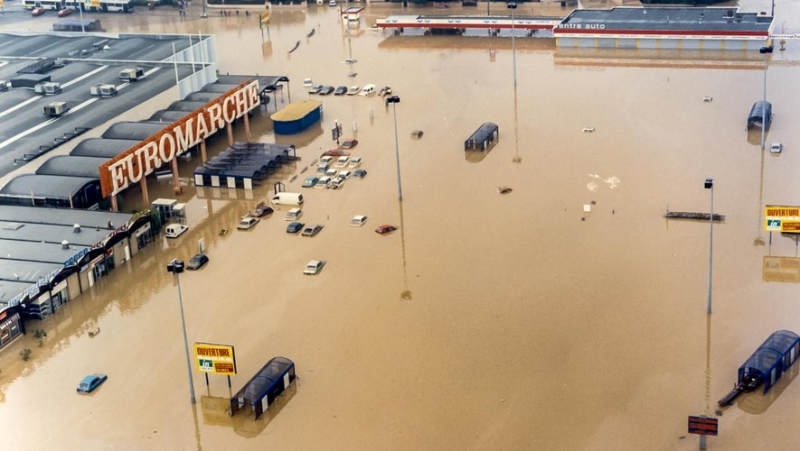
(781,269)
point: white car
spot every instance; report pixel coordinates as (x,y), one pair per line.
(353,90)
(175,230)
(307,83)
(322,182)
(344,175)
(331,173)
(327,159)
(776,148)
(247,223)
(354,162)
(342,162)
(293,214)
(313,267)
(358,220)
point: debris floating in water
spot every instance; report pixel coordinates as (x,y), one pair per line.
(588,129)
(707,99)
(503,190)
(295,47)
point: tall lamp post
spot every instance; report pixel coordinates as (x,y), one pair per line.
(394,100)
(709,184)
(176,267)
(204,14)
(512,6)
(766,51)
(80,12)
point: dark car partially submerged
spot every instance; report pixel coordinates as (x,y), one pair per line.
(89,383)
(197,261)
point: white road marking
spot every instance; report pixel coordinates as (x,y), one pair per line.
(28,132)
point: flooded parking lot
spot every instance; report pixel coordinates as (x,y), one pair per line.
(486,321)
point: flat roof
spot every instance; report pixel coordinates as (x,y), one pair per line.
(25,273)
(678,19)
(295,110)
(25,132)
(10,289)
(63,216)
(52,233)
(38,252)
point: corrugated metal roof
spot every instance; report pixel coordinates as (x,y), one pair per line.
(72,166)
(40,186)
(103,148)
(132,130)
(166,116)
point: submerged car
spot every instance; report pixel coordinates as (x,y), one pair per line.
(358,220)
(309,182)
(314,89)
(360,173)
(262,209)
(307,83)
(197,261)
(354,162)
(89,383)
(326,90)
(65,12)
(776,148)
(247,223)
(294,227)
(37,11)
(353,90)
(385,228)
(293,214)
(349,144)
(340,91)
(313,267)
(312,230)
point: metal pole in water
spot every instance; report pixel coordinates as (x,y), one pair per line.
(710,248)
(176,267)
(394,100)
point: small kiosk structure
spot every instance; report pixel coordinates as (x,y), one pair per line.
(483,138)
(265,387)
(296,117)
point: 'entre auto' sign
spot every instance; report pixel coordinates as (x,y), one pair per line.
(175,139)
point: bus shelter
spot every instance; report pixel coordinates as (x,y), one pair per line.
(483,137)
(264,388)
(770,360)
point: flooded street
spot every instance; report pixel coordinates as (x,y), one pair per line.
(487,321)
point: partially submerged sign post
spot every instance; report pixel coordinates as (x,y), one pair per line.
(782,219)
(215,359)
(703,426)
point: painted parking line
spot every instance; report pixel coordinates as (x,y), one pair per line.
(83,105)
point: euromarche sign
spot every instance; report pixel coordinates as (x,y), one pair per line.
(217,359)
(177,138)
(782,219)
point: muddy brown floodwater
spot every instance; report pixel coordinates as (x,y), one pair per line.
(486,321)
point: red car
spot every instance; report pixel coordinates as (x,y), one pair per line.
(384,229)
(37,11)
(65,12)
(349,144)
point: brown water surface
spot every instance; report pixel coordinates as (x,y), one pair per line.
(487,321)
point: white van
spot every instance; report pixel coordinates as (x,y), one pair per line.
(367,90)
(288,199)
(175,230)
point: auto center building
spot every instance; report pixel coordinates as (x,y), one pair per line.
(716,28)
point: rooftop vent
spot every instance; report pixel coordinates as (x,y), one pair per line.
(65,244)
(76,228)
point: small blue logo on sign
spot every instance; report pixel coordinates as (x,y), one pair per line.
(773,224)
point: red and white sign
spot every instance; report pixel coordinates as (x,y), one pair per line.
(175,139)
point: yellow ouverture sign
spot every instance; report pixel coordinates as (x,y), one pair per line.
(217,359)
(95,4)
(782,219)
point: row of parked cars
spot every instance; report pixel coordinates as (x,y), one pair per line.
(324,90)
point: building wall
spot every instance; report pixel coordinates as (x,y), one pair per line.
(667,44)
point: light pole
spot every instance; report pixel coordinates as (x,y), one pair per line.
(512,6)
(80,12)
(395,100)
(204,14)
(176,267)
(766,51)
(709,184)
